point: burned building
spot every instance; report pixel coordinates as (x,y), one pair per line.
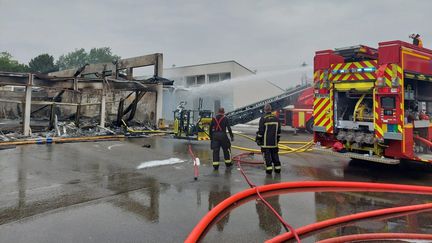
(99,94)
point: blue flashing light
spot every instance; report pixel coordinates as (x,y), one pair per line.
(369,69)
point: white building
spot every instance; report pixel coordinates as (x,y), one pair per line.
(225,84)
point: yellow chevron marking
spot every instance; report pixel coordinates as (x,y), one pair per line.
(389,72)
(357,64)
(346,66)
(319,116)
(388,83)
(370,76)
(316,101)
(316,109)
(394,70)
(346,77)
(399,69)
(323,122)
(380,131)
(337,66)
(368,64)
(359,77)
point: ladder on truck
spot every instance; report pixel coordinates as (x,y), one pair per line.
(253,111)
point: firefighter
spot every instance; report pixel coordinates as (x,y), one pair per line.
(416,40)
(267,138)
(219,138)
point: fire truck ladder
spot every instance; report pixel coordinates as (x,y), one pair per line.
(253,111)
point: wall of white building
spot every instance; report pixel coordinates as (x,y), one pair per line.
(232,90)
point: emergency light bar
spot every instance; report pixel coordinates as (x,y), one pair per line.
(355,70)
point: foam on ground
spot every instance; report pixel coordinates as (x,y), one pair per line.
(155,163)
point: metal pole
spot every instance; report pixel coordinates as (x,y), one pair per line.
(27,106)
(103,105)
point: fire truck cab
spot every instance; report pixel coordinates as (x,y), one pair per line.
(376,102)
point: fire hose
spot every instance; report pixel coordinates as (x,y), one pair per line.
(348,218)
(306,146)
(256,191)
(287,227)
(310,186)
(241,159)
(377,236)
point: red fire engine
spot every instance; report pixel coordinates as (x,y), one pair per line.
(375,101)
(299,115)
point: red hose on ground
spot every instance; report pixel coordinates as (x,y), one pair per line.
(306,186)
(240,158)
(196,171)
(377,236)
(343,219)
(269,206)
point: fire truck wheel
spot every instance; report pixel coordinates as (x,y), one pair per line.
(309,126)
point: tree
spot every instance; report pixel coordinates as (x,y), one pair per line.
(80,57)
(101,55)
(7,64)
(43,63)
(75,59)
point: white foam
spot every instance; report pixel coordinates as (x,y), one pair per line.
(155,163)
(115,145)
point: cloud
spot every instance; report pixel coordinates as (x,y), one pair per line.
(255,33)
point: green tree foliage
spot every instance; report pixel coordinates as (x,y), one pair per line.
(100,55)
(43,63)
(8,64)
(80,57)
(75,59)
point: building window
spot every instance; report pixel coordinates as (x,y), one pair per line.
(195,80)
(216,77)
(200,80)
(225,76)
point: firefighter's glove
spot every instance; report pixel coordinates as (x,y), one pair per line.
(259,139)
(232,138)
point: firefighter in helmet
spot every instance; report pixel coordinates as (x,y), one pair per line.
(416,40)
(268,137)
(219,138)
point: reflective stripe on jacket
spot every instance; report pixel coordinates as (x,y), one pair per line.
(269,130)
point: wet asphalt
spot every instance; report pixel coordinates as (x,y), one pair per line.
(94,192)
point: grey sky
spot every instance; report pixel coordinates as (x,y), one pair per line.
(254,33)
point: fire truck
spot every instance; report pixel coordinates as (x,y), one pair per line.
(375,101)
(299,115)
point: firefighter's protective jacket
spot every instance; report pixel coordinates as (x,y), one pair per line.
(218,131)
(269,131)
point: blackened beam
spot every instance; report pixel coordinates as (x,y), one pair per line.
(112,68)
(68,83)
